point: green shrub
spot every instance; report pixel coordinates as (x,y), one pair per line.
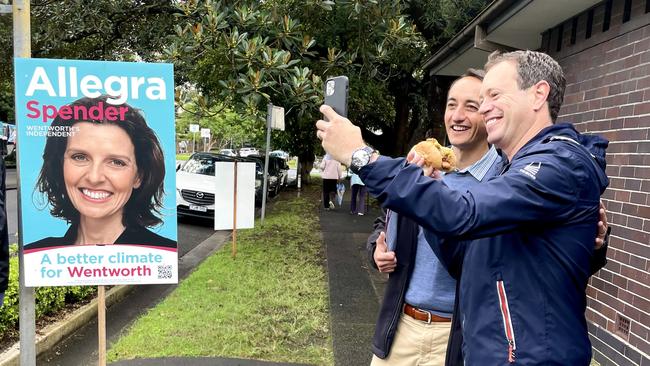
(49,300)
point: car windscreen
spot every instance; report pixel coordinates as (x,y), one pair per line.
(199,165)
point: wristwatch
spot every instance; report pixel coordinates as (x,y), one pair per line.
(360,158)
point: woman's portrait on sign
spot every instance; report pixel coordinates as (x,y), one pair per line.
(103,171)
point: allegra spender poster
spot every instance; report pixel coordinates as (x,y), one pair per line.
(96,153)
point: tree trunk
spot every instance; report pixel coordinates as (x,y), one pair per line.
(306,161)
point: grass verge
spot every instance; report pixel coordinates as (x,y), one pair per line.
(270,303)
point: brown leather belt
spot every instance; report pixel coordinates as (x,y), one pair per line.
(423,315)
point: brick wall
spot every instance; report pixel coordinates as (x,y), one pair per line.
(608,92)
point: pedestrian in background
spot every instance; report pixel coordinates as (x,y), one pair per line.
(358,193)
(330,173)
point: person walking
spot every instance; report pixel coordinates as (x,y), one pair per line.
(330,173)
(358,195)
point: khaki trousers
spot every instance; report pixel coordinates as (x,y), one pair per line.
(416,343)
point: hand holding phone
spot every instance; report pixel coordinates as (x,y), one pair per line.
(336,94)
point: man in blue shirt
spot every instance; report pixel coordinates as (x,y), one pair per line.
(420,295)
(535,222)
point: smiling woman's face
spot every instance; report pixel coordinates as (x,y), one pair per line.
(100,170)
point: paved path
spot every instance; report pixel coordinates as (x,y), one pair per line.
(354,289)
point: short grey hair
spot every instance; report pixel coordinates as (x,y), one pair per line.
(533,67)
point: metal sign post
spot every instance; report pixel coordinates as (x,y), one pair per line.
(194,129)
(275,120)
(269,117)
(22,48)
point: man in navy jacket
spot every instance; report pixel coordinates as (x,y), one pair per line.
(522,292)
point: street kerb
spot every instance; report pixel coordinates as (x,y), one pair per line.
(53,333)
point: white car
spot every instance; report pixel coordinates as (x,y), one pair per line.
(245,151)
(228,152)
(196,185)
(284,155)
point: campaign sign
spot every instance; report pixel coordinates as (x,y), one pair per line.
(97,172)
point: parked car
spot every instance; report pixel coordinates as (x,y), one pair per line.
(228,152)
(196,184)
(277,173)
(246,151)
(278,167)
(279,153)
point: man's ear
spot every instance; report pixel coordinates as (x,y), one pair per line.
(540,90)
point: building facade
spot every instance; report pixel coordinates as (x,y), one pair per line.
(604,49)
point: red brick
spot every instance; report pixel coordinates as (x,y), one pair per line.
(642,250)
(626,296)
(628,172)
(622,257)
(638,263)
(641,302)
(617,123)
(613,206)
(613,171)
(619,281)
(642,108)
(612,304)
(644,147)
(638,70)
(612,266)
(632,61)
(642,46)
(628,86)
(632,184)
(623,196)
(641,199)
(643,83)
(613,112)
(642,172)
(641,344)
(596,318)
(615,100)
(638,330)
(596,93)
(635,97)
(618,159)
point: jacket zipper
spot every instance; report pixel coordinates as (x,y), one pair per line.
(507,321)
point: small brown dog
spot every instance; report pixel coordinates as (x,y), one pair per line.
(436,156)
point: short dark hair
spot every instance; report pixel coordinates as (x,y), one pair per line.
(143,207)
(470,73)
(533,67)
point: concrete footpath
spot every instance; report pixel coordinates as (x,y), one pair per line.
(355,289)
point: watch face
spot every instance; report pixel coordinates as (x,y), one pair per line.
(360,158)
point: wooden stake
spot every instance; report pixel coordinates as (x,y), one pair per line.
(101,324)
(234,217)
